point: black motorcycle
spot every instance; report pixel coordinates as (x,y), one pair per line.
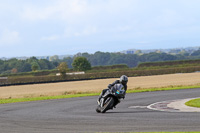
(111,98)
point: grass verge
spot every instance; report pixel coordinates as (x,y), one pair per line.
(14,100)
(159,132)
(79,94)
(194,103)
(135,90)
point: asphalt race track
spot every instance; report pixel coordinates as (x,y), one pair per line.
(79,115)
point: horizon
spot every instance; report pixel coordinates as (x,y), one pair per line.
(96,51)
(59,27)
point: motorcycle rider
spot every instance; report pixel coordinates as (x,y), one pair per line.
(123,80)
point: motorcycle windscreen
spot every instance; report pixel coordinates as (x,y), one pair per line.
(119,90)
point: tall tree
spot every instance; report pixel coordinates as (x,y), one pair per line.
(62,68)
(35,66)
(81,64)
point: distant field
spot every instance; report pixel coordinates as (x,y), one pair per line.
(52,89)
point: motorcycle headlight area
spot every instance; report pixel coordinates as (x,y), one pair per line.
(117,92)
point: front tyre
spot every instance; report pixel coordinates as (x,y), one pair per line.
(109,102)
(98,110)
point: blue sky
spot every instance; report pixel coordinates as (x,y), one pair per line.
(60,27)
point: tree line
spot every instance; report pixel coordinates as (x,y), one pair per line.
(14,65)
(33,64)
(132,60)
(96,59)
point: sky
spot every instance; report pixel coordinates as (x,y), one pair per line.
(66,27)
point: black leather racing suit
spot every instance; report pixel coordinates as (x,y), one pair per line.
(110,86)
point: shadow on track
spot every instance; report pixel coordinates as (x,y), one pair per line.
(129,112)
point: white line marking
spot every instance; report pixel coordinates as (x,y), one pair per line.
(137,107)
(173,106)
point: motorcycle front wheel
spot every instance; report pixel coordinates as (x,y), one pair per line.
(108,104)
(98,109)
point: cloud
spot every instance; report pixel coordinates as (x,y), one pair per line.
(85,17)
(143,42)
(50,38)
(80,31)
(101,20)
(124,28)
(9,37)
(60,9)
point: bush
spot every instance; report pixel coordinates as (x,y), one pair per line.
(38,73)
(120,66)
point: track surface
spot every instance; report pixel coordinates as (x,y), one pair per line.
(78,115)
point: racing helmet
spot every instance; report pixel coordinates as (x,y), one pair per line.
(123,79)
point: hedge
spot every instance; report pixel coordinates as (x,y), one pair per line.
(169,63)
(120,66)
(100,75)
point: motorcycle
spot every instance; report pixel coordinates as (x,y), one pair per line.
(111,98)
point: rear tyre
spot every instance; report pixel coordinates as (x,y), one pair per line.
(108,105)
